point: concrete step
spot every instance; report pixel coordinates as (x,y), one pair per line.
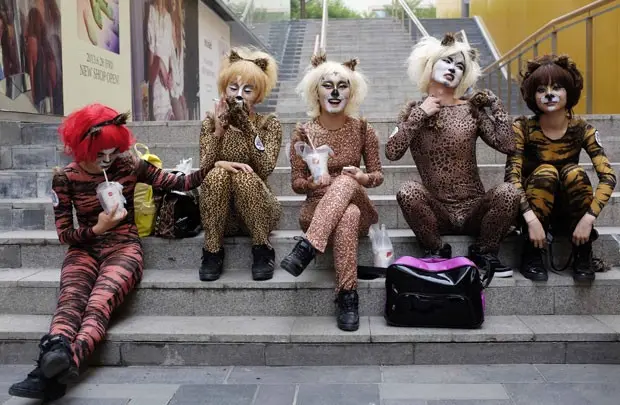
(180,293)
(41,249)
(37,213)
(315,341)
(36,183)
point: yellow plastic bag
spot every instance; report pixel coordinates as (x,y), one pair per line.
(144,203)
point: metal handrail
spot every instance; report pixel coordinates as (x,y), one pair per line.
(413,18)
(464,36)
(550,25)
(550,31)
(246,10)
(324,27)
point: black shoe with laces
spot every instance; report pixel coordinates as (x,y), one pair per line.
(445,252)
(348,317)
(489,261)
(299,258)
(532,266)
(37,386)
(264,262)
(583,268)
(56,359)
(212,265)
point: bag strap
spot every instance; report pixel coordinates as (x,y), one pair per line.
(548,256)
(370,272)
(140,154)
(488,277)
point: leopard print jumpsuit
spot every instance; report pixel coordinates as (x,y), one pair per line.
(237,203)
(451,198)
(342,211)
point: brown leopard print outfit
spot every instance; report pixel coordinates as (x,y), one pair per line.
(234,203)
(342,211)
(451,198)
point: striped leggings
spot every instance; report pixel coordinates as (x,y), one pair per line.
(94,281)
(559,197)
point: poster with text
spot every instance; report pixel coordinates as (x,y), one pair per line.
(96,51)
(164,36)
(214,36)
(31,60)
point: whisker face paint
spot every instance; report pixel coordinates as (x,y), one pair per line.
(334,93)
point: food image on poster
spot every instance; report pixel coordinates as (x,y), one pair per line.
(98,23)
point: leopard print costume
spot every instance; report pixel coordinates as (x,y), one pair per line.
(239,203)
(342,211)
(451,198)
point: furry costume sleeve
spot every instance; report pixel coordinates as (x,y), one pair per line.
(299,169)
(606,174)
(514,162)
(165,181)
(269,134)
(495,130)
(210,145)
(63,212)
(410,120)
(372,161)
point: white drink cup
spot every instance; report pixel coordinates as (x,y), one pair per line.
(384,257)
(110,194)
(317,163)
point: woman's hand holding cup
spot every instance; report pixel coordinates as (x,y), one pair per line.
(323,181)
(107,221)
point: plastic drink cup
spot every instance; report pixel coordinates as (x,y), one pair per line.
(317,163)
(384,257)
(110,195)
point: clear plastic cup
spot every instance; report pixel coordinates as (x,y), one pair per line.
(110,194)
(317,163)
(384,257)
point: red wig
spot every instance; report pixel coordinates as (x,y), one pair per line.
(93,128)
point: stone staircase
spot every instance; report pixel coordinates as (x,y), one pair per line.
(174,319)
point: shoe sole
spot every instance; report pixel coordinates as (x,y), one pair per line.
(536,278)
(584,279)
(262,276)
(70,376)
(503,274)
(292,272)
(15,392)
(209,278)
(349,328)
(52,364)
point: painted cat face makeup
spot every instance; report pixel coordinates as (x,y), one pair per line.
(449,70)
(334,93)
(241,92)
(550,98)
(106,157)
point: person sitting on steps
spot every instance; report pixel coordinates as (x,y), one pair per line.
(337,207)
(239,148)
(556,192)
(441,132)
(104,261)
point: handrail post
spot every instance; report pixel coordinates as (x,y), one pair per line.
(589,65)
(554,42)
(324,27)
(519,98)
(535,49)
(499,83)
(509,79)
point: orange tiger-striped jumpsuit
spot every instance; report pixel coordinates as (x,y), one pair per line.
(99,271)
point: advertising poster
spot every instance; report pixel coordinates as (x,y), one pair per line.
(96,51)
(31,60)
(164,36)
(214,36)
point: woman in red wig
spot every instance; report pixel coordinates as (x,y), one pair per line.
(104,261)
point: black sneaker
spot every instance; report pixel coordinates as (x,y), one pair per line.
(212,265)
(36,386)
(348,317)
(445,252)
(532,266)
(299,258)
(488,261)
(583,268)
(264,262)
(57,359)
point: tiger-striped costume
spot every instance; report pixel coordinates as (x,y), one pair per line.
(99,271)
(547,173)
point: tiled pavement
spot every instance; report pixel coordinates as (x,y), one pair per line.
(407,385)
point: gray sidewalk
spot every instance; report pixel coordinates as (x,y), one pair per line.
(406,385)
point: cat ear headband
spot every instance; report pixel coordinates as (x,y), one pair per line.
(120,119)
(262,63)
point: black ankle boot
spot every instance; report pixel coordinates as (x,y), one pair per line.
(532,266)
(264,261)
(212,265)
(56,359)
(489,261)
(348,314)
(445,252)
(583,268)
(36,386)
(299,258)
